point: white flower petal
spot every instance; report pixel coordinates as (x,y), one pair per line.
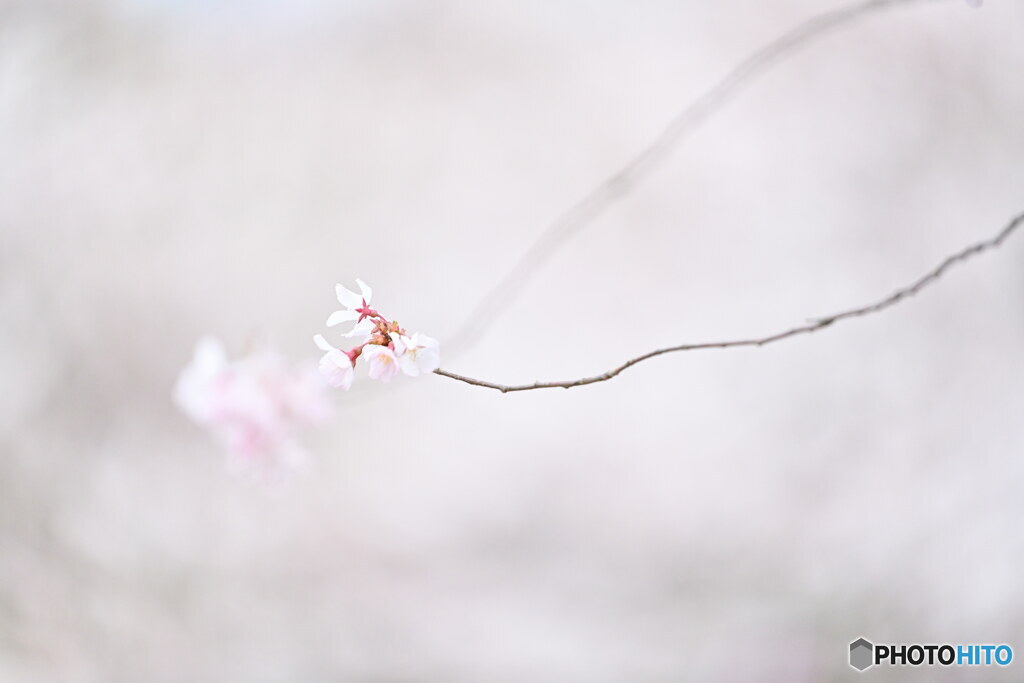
(337,369)
(347,297)
(425,341)
(322,343)
(428,359)
(339,317)
(362,329)
(364,290)
(383,365)
(400,343)
(409,365)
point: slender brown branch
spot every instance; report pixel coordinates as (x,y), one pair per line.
(812,326)
(618,185)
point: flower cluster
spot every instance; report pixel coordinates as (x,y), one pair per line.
(254,405)
(385,345)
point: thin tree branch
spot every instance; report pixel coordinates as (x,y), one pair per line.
(812,326)
(617,186)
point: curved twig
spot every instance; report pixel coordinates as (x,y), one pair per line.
(812,326)
(617,186)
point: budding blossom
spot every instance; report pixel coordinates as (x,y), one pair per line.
(254,405)
(386,346)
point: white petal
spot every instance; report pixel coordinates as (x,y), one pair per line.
(409,365)
(428,359)
(361,329)
(347,297)
(382,361)
(371,351)
(425,341)
(365,290)
(400,343)
(322,343)
(339,317)
(337,369)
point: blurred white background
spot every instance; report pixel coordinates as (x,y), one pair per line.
(170,169)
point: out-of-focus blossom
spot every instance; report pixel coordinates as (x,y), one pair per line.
(255,406)
(196,392)
(388,348)
(421,354)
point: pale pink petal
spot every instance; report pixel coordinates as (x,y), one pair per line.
(383,365)
(336,368)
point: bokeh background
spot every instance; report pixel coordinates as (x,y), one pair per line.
(172,168)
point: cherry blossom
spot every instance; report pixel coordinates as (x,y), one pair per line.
(255,405)
(335,365)
(386,345)
(357,306)
(197,391)
(421,354)
(383,363)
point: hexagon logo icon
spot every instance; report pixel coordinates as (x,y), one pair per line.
(861,654)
